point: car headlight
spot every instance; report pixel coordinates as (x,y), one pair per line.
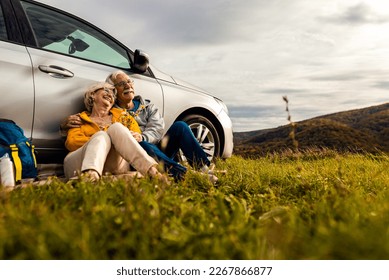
(224,106)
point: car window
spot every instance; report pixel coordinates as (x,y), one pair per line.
(3,31)
(63,34)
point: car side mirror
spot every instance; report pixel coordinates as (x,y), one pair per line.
(141,61)
(77,45)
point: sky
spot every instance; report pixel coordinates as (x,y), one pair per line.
(326,56)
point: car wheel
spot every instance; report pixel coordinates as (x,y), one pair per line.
(205,133)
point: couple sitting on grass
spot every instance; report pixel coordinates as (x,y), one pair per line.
(120,130)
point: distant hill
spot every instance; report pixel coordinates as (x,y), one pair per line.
(361,130)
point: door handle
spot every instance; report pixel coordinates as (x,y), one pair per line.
(56,71)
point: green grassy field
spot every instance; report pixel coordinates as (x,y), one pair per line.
(314,206)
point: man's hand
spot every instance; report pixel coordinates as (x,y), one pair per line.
(71,122)
(137,136)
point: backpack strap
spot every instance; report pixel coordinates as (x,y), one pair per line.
(17,162)
(32,152)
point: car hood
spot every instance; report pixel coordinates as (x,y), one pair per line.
(168,78)
(189,85)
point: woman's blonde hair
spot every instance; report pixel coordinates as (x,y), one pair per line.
(90,92)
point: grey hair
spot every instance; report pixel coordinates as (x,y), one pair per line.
(90,92)
(113,76)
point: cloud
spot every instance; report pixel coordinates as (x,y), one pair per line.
(284,90)
(245,118)
(194,22)
(250,111)
(357,15)
(382,85)
(338,77)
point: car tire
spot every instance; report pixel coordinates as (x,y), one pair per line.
(205,133)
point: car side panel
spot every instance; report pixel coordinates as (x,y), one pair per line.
(179,99)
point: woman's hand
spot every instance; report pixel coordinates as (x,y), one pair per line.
(137,136)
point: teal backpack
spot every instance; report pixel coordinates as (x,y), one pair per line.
(19,148)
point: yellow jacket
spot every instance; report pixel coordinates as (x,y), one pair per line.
(78,136)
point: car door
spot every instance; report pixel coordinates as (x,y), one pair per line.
(16,88)
(70,56)
(17,91)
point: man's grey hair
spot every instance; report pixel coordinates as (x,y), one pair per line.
(113,76)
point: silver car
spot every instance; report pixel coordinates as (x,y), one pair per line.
(48,58)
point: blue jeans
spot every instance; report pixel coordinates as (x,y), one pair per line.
(179,136)
(170,166)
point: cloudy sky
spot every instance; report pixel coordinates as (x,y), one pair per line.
(326,56)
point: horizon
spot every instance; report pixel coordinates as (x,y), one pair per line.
(320,116)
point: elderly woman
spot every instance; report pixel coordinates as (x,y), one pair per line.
(102,144)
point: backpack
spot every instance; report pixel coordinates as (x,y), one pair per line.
(19,148)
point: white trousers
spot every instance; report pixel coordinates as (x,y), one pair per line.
(110,151)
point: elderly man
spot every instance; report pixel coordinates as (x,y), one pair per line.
(163,147)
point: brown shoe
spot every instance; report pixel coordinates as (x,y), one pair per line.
(90,175)
(154,173)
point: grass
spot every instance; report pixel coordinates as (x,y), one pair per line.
(314,206)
